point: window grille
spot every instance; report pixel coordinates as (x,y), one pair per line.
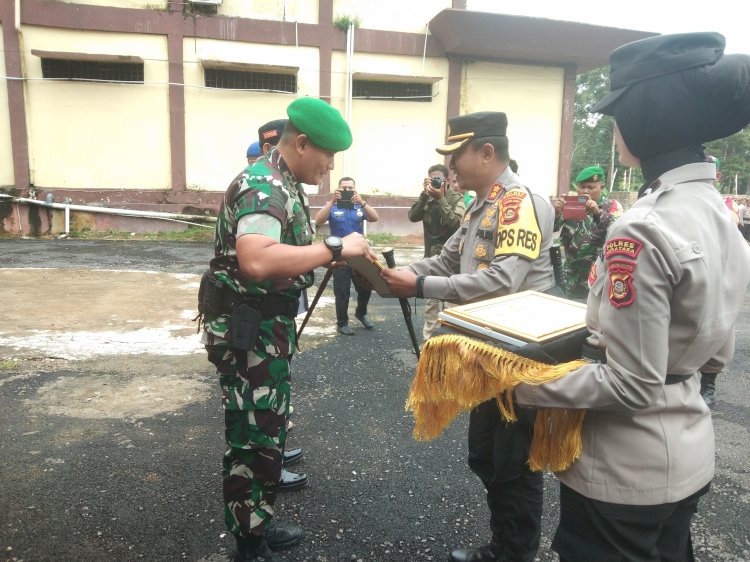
(392,91)
(93,70)
(250,80)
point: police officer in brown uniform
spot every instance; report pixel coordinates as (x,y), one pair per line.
(501,247)
(662,308)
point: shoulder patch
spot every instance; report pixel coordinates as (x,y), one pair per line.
(518,231)
(621,290)
(592,275)
(627,247)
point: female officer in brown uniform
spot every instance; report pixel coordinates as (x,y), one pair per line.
(662,307)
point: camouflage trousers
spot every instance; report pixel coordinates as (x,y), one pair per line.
(256,406)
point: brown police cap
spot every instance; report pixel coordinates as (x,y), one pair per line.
(478,125)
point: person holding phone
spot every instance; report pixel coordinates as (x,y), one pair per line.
(582,238)
(346,212)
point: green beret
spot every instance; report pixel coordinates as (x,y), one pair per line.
(592,173)
(322,123)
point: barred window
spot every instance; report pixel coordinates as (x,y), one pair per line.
(250,80)
(92,70)
(392,91)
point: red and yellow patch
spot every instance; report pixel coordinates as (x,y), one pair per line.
(511,203)
(621,290)
(518,232)
(592,275)
(495,192)
(622,247)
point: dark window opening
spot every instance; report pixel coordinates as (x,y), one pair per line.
(250,80)
(93,70)
(395,91)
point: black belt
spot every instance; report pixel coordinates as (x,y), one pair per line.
(269,306)
(598,355)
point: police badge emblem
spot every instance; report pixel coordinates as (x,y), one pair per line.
(621,290)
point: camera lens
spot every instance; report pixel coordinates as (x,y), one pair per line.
(437,182)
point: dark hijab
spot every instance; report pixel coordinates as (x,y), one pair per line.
(666,116)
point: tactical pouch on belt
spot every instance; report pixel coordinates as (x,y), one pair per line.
(244,326)
(209,298)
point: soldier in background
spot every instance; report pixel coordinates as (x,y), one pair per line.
(582,239)
(440,209)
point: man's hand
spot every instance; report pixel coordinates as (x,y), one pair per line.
(435,193)
(356,199)
(592,208)
(558,203)
(401,282)
(356,245)
(335,197)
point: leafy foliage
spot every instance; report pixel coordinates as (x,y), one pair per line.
(343,21)
(734,155)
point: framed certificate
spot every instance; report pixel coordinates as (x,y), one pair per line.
(521,318)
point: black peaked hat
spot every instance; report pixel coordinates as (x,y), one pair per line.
(657,56)
(478,125)
(271,132)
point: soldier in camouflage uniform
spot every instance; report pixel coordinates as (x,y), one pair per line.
(440,209)
(263,260)
(583,239)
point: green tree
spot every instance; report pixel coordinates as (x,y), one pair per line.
(593,133)
(734,155)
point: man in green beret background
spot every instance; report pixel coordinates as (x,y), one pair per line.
(582,239)
(264,258)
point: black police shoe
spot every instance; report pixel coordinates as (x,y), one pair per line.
(280,537)
(260,552)
(708,392)
(487,553)
(292,456)
(291,481)
(346,330)
(365,321)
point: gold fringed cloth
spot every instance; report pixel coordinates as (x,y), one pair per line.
(456,373)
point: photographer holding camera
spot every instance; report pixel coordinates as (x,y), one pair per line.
(346,212)
(440,209)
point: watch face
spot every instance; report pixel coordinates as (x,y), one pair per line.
(334,242)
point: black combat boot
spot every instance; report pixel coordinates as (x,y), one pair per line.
(254,549)
(491,552)
(708,388)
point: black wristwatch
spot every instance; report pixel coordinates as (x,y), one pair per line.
(335,244)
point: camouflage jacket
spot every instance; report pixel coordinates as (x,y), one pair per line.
(440,218)
(265,187)
(582,241)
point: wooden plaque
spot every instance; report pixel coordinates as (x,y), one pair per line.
(370,270)
(521,318)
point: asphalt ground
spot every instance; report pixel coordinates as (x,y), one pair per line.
(113,452)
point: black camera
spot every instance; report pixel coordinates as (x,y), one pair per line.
(437,182)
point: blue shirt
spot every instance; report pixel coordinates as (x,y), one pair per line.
(345,221)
